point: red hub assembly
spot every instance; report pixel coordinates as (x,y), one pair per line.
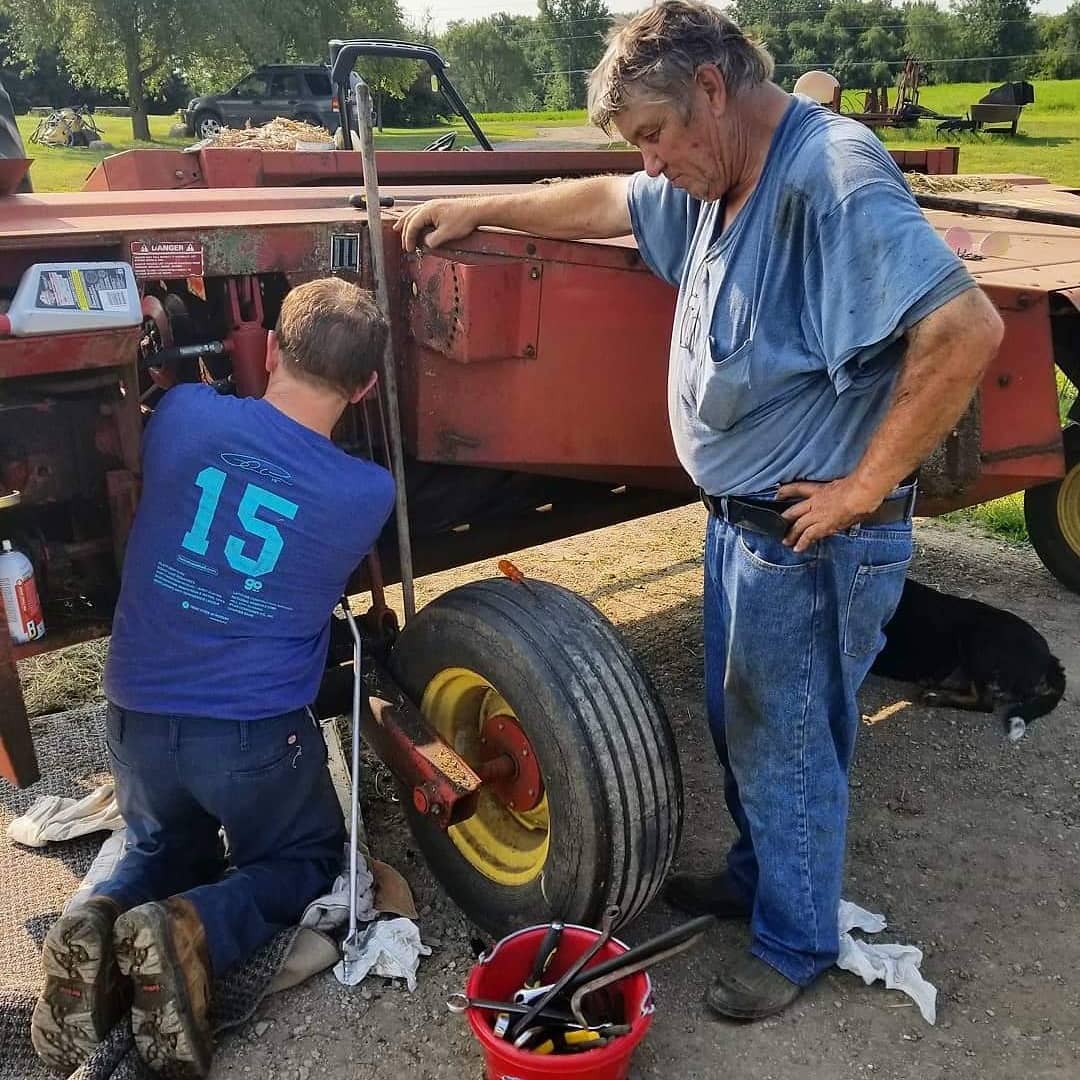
(508,765)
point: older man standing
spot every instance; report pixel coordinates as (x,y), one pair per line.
(825,341)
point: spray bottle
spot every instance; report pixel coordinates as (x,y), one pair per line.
(19,591)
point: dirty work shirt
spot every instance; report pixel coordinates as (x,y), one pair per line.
(787,330)
(247,530)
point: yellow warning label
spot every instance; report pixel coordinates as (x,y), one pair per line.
(80,291)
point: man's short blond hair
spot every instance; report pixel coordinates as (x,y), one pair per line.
(652,58)
(331,333)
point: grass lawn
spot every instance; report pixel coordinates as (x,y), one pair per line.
(1048,143)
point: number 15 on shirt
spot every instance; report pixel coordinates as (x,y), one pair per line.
(212,481)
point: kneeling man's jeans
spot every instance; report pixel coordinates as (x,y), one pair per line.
(789,638)
(180,779)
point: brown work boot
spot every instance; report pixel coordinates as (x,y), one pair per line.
(750,989)
(162,947)
(707,894)
(84,993)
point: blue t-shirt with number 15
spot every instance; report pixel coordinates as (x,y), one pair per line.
(248,528)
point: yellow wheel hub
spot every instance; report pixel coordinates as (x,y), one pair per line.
(506,846)
(1068,508)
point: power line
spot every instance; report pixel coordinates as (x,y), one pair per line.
(826,64)
(942,60)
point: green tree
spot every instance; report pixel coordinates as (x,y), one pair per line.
(490,67)
(137,45)
(573,33)
(114,44)
(997,28)
(1059,43)
(933,34)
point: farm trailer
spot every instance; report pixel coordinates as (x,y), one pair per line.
(537,768)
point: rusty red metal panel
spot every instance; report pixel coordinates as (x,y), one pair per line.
(471,312)
(53,353)
(1021,427)
(242,168)
(593,400)
(245,168)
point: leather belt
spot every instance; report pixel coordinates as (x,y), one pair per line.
(764,515)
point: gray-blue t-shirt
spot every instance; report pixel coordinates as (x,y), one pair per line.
(789,324)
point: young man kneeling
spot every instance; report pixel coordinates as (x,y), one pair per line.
(250,523)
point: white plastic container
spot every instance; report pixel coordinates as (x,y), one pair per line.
(19,590)
(54,298)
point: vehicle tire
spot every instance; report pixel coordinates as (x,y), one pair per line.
(1052,514)
(207,123)
(606,817)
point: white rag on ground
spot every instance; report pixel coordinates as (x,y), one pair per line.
(390,947)
(55,818)
(897,966)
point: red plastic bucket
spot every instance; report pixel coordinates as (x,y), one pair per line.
(498,974)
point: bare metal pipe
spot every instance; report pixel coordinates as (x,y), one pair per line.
(389,379)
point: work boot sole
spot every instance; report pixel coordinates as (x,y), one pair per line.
(170,1036)
(83,996)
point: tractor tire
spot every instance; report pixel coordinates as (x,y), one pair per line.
(1052,514)
(206,123)
(603,825)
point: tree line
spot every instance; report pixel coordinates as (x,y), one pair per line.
(153,53)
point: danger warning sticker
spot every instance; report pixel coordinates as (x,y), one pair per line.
(167,258)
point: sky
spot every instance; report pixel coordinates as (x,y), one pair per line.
(442,13)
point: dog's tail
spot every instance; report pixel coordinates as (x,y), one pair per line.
(1043,699)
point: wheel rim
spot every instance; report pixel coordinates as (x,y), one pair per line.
(209,127)
(1068,508)
(507,846)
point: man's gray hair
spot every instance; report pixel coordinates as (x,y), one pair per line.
(652,57)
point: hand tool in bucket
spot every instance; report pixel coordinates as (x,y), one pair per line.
(350,946)
(662,947)
(607,928)
(669,943)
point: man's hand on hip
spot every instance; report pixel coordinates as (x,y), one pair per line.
(825,509)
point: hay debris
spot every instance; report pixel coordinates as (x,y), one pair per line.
(66,679)
(923,184)
(279,134)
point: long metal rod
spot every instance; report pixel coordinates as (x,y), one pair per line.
(354,782)
(389,379)
(958,205)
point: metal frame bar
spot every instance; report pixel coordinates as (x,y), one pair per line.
(343,57)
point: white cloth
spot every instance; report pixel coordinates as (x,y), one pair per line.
(330,913)
(54,818)
(390,947)
(897,966)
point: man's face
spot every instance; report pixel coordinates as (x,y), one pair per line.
(689,151)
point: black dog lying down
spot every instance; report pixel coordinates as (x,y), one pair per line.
(969,655)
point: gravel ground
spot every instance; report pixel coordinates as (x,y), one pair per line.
(967,844)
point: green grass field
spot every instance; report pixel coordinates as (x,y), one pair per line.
(1048,145)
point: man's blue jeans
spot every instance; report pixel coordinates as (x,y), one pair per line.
(178,780)
(789,638)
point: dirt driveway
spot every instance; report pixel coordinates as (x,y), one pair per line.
(970,846)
